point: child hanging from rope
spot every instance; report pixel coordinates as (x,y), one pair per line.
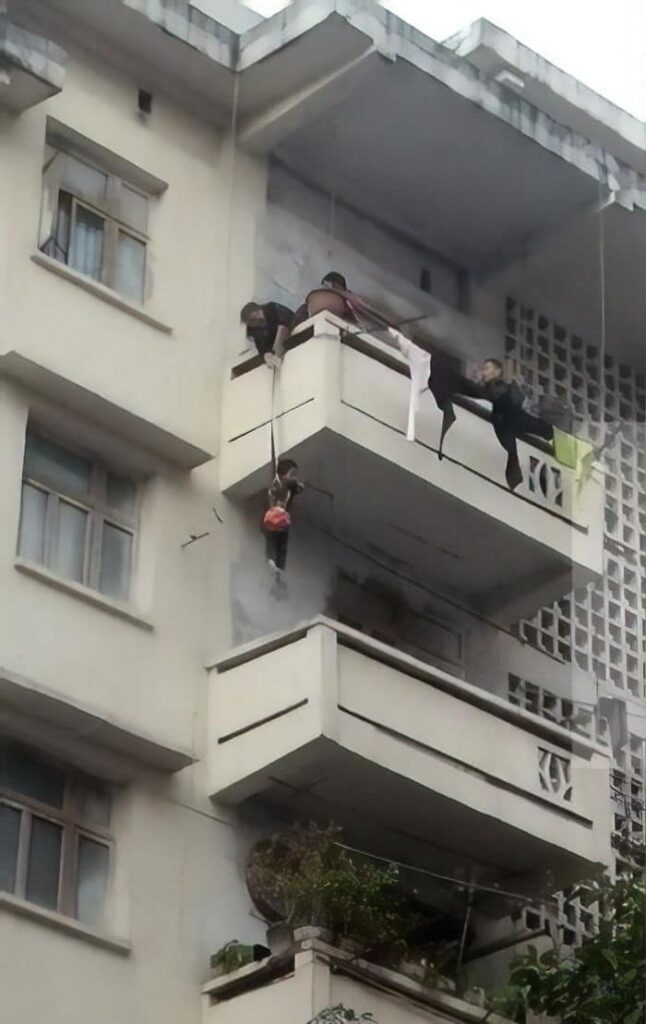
(277,520)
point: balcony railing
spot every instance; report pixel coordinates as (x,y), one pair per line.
(324,714)
(339,406)
(313,976)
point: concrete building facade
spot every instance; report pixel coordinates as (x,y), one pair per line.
(451,671)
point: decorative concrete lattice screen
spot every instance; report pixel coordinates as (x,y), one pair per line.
(628,787)
(601,628)
(578,718)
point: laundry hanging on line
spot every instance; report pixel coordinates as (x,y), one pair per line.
(419,367)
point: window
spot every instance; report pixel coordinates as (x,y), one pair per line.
(77,518)
(95,222)
(55,843)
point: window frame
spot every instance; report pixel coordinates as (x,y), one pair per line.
(74,826)
(109,209)
(94,502)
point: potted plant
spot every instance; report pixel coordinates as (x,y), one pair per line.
(234,955)
(307,878)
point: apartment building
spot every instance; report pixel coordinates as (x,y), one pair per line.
(450,670)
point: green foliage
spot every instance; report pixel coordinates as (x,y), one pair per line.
(308,878)
(339,1015)
(603,982)
(232,956)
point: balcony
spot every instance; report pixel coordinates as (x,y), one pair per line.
(32,68)
(323,720)
(340,409)
(296,987)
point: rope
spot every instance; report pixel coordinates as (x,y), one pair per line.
(450,879)
(602,300)
(231,190)
(274,456)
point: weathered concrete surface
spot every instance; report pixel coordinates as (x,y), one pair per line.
(32,67)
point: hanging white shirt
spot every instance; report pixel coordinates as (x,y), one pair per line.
(419,367)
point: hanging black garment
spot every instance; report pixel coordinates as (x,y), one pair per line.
(443,384)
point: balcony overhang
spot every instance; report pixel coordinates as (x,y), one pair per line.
(340,409)
(148,436)
(326,721)
(32,68)
(33,714)
(493,51)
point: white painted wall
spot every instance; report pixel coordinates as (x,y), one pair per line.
(172,380)
(177,895)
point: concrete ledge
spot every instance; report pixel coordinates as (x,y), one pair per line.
(22,908)
(86,735)
(100,290)
(93,597)
(84,403)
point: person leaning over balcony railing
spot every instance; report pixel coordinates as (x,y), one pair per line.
(352,306)
(268,326)
(508,417)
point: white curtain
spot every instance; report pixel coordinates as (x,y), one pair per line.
(87,243)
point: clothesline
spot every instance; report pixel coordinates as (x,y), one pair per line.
(450,879)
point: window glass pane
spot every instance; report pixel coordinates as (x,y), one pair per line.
(33,510)
(50,463)
(22,774)
(69,556)
(85,181)
(96,803)
(44,863)
(92,881)
(121,494)
(130,267)
(134,208)
(116,554)
(9,834)
(86,248)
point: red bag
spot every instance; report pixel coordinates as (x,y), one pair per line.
(276,519)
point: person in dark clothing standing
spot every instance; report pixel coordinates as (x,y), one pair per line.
(276,520)
(268,326)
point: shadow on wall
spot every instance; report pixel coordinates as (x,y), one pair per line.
(260,604)
(324,578)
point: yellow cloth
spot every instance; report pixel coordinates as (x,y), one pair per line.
(573,452)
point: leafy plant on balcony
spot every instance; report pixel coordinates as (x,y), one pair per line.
(339,1015)
(306,877)
(602,982)
(234,955)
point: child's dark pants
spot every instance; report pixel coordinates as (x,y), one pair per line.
(276,547)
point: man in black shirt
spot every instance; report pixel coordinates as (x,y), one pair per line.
(508,418)
(268,326)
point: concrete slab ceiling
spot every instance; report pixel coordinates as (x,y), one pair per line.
(32,67)
(552,90)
